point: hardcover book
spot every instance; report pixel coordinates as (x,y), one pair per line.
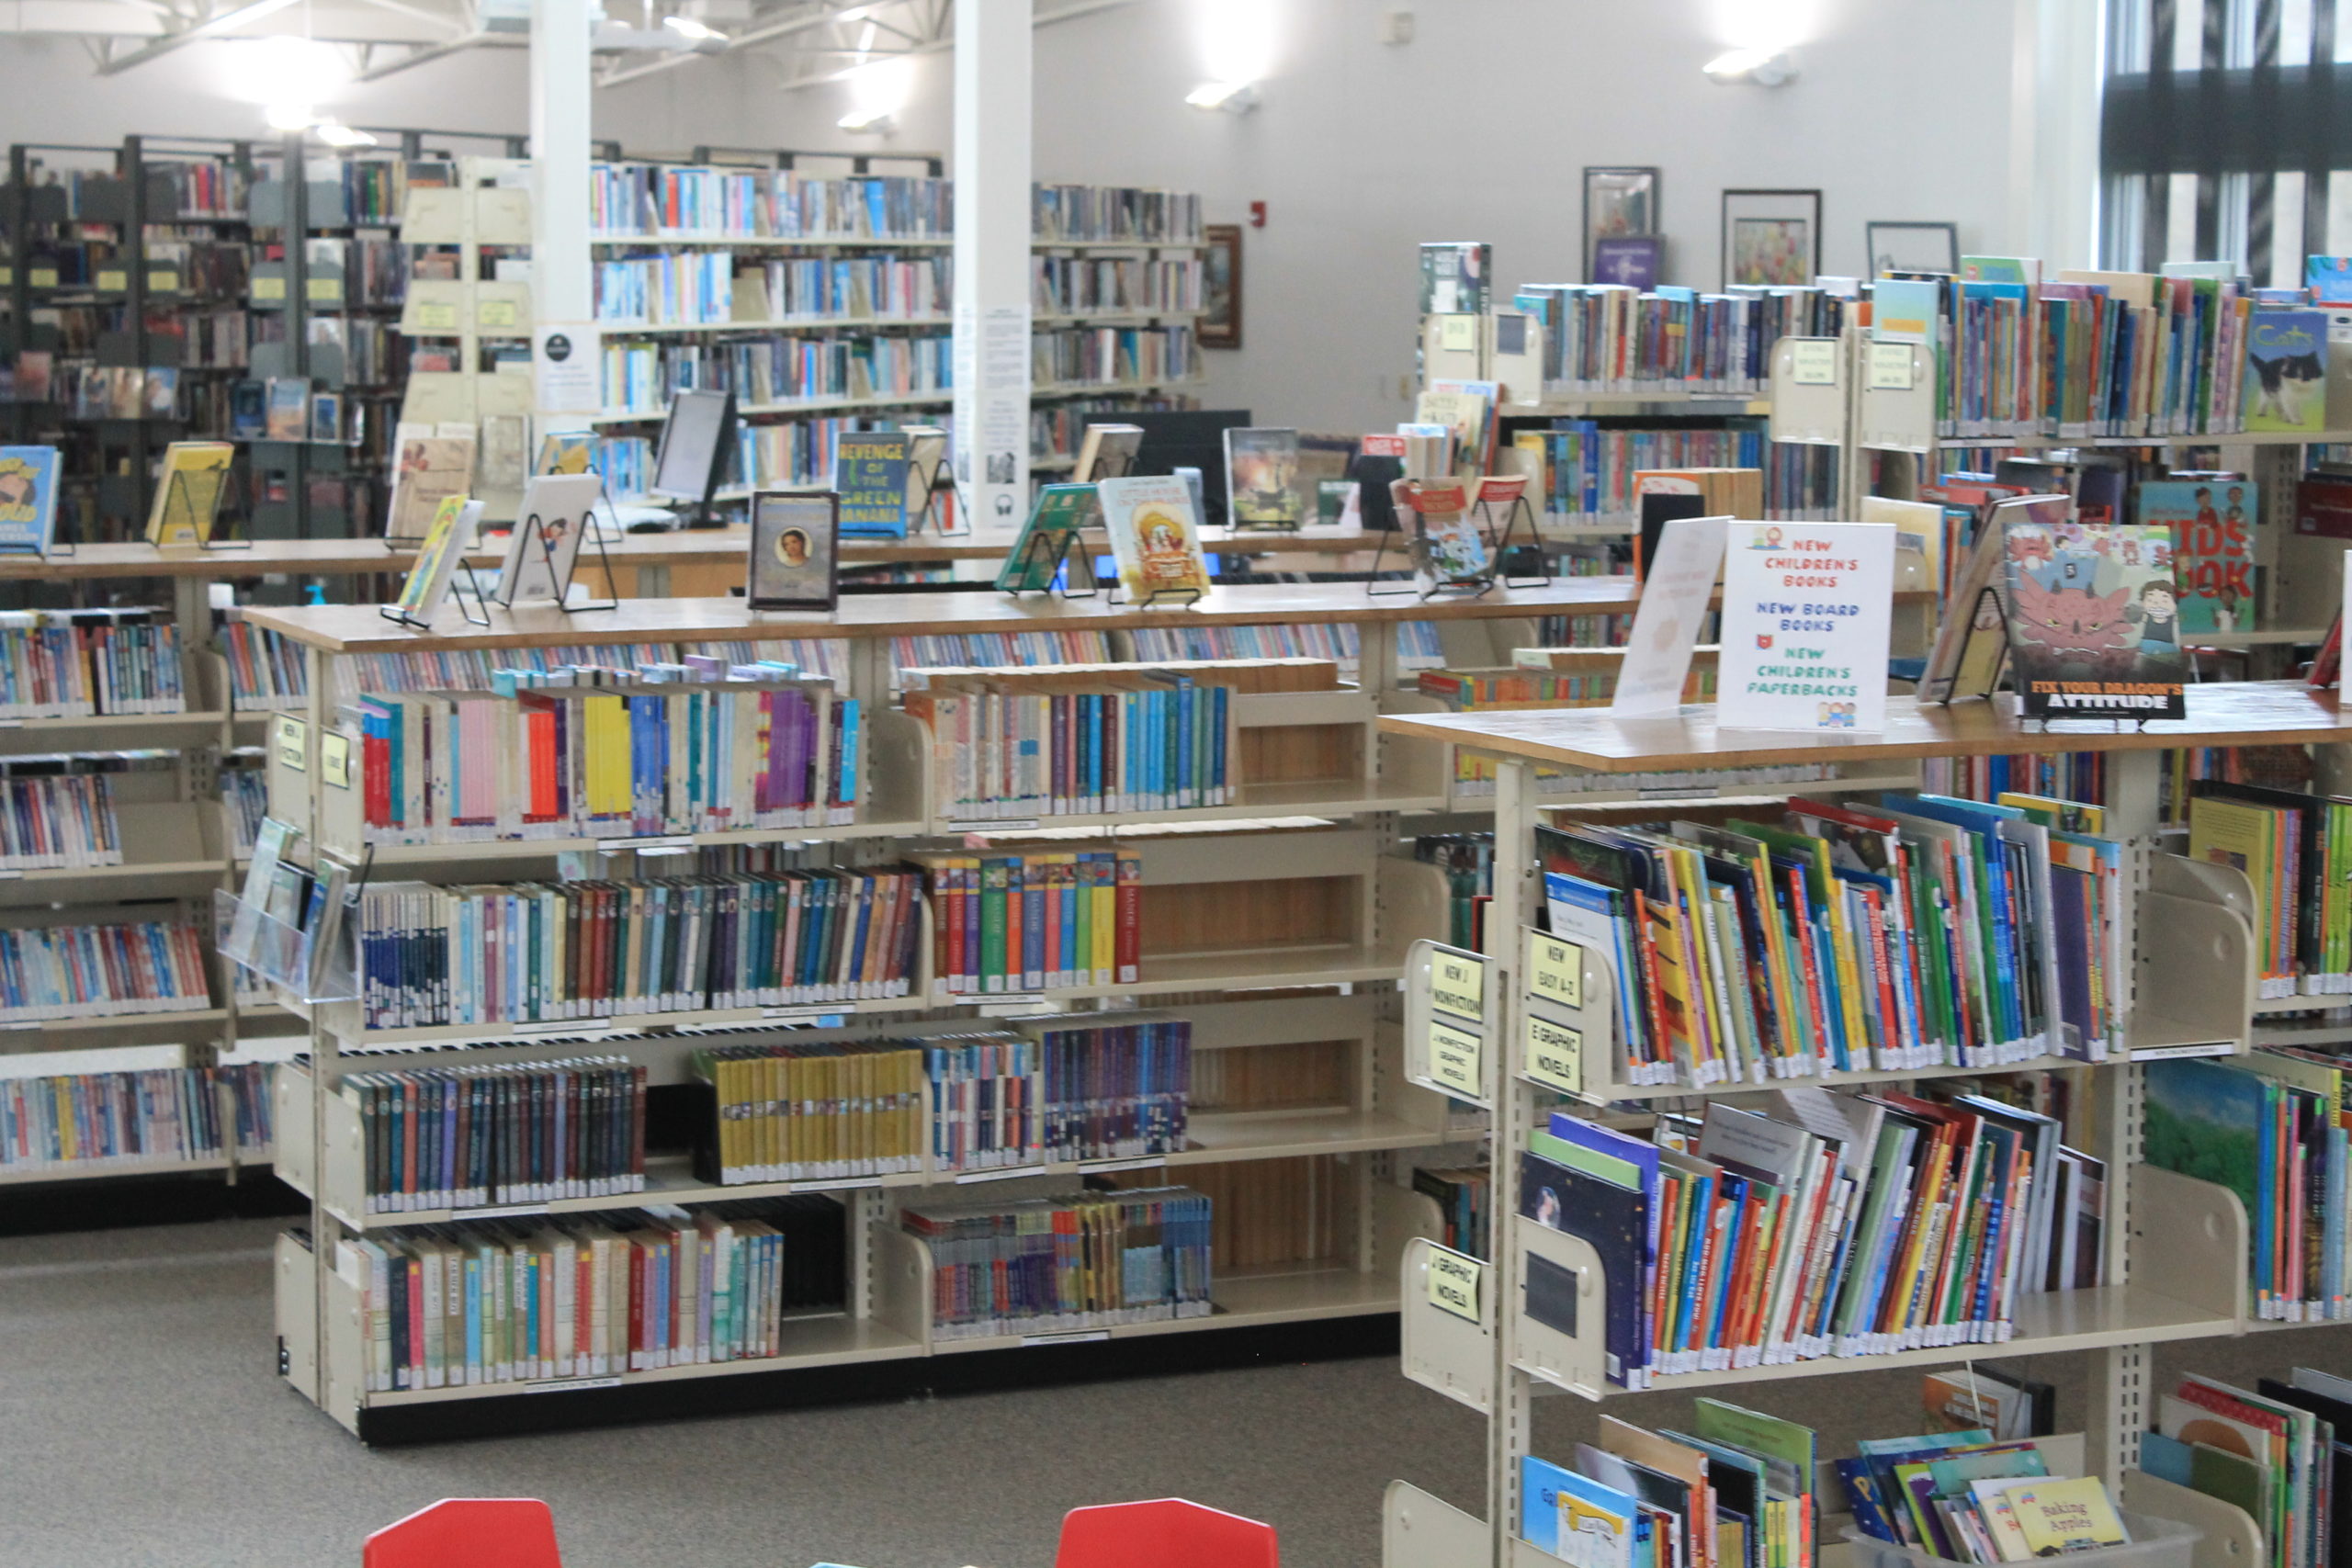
(2093,620)
(1154,537)
(2286,371)
(2212,540)
(27,499)
(1262,478)
(870,470)
(188,491)
(1055,519)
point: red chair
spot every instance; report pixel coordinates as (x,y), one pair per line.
(468,1532)
(1168,1533)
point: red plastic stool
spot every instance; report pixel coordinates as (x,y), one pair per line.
(470,1532)
(1167,1533)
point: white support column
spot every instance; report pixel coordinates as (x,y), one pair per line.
(564,347)
(991,170)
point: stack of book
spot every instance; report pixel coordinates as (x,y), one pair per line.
(1060,1264)
(2277,1450)
(1963,1497)
(58,811)
(491,1302)
(76,663)
(1465,1199)
(1734,1492)
(1604,338)
(1921,932)
(810,1112)
(483,1136)
(161,1114)
(1017,923)
(543,952)
(1830,1224)
(984,1113)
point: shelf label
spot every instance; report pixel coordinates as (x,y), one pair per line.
(2173,1053)
(1092,1167)
(1554,1053)
(503,1212)
(673,842)
(811,1012)
(1458,335)
(1889,368)
(436,316)
(838,1184)
(1083,1336)
(334,760)
(1458,984)
(322,290)
(42,277)
(998,825)
(267,287)
(497,313)
(7,276)
(1000,1173)
(113,280)
(1813,362)
(293,737)
(563,1026)
(1454,1280)
(1457,1058)
(1554,970)
(11,876)
(163,280)
(570,1386)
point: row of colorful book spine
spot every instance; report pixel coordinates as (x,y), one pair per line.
(485,1136)
(51,972)
(1017,923)
(77,663)
(1167,741)
(1060,1264)
(69,1122)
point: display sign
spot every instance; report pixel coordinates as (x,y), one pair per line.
(1454,1281)
(1674,591)
(1806,617)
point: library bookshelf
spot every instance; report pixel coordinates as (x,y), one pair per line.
(1280,924)
(2191,989)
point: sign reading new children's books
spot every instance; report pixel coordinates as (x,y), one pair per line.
(1806,611)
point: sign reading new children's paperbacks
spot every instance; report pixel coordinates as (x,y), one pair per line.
(1807,613)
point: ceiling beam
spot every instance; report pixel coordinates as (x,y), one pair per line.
(212,27)
(441,51)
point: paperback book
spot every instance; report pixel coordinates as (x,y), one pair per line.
(2212,521)
(2093,620)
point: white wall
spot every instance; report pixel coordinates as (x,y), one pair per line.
(1478,129)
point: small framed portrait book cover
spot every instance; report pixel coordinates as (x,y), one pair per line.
(794,565)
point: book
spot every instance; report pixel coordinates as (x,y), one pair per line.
(1155,537)
(2058,1517)
(73,1124)
(429,467)
(1261,485)
(1456,278)
(288,415)
(2094,625)
(871,472)
(2329,278)
(438,557)
(2212,532)
(543,546)
(188,491)
(1107,452)
(988,1286)
(29,477)
(2286,371)
(1449,549)
(1048,536)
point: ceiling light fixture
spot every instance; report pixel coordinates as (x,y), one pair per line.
(687,27)
(1233,98)
(337,134)
(1758,67)
(289,117)
(868,123)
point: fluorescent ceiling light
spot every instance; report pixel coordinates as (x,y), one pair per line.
(686,27)
(289,117)
(1765,68)
(874,122)
(335,134)
(1233,98)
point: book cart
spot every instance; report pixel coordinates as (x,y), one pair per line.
(1294,887)
(2191,992)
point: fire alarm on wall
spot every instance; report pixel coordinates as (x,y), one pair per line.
(1257,215)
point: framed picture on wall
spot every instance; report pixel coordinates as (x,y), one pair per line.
(1637,261)
(1913,247)
(1619,204)
(1772,236)
(1221,321)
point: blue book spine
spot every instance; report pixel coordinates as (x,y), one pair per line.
(1033,930)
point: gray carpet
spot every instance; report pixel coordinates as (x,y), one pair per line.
(142,1423)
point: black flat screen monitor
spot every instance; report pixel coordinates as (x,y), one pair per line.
(1183,438)
(695,440)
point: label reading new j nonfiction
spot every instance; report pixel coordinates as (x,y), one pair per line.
(1457,1059)
(1458,984)
(1453,1283)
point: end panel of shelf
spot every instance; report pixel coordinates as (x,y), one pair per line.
(2197,973)
(1420,1529)
(2231,1537)
(295,1287)
(1441,1349)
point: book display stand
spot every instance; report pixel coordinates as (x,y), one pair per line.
(563,580)
(938,483)
(175,497)
(477,612)
(1057,558)
(2176,1248)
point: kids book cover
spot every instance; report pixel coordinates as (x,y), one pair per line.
(27,499)
(2094,620)
(2212,521)
(2286,371)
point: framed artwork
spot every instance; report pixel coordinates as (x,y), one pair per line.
(1772,236)
(1637,261)
(794,565)
(1221,324)
(1619,204)
(1913,247)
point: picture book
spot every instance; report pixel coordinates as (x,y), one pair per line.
(1450,549)
(2329,278)
(162,396)
(2094,627)
(2212,538)
(566,452)
(870,470)
(930,492)
(793,563)
(1155,537)
(1055,518)
(429,469)
(438,557)
(544,544)
(1456,278)
(27,499)
(288,415)
(188,491)
(2059,1516)
(2286,371)
(1262,487)
(2206,1120)
(1107,452)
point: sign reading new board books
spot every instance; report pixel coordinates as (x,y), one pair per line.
(27,499)
(870,474)
(1666,624)
(2094,620)
(1807,608)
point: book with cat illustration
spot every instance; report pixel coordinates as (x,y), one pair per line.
(2286,371)
(2094,620)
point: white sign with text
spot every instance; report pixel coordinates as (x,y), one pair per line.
(1807,613)
(1674,591)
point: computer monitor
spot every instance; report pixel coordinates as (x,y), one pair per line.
(695,440)
(1183,438)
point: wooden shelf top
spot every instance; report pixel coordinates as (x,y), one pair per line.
(687,546)
(2254,713)
(359,628)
